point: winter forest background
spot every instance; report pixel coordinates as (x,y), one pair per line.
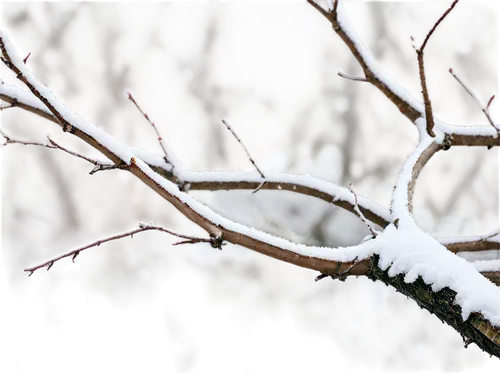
(270,69)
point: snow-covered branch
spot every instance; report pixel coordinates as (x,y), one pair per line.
(401,255)
(324,260)
(409,106)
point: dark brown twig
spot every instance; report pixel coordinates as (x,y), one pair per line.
(429,118)
(485,110)
(213,241)
(491,235)
(98,164)
(437,24)
(160,138)
(360,214)
(243,146)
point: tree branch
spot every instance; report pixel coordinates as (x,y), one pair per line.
(306,185)
(402,255)
(142,228)
(485,110)
(319,259)
(421,70)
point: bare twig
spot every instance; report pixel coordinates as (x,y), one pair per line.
(360,214)
(491,235)
(320,9)
(160,138)
(291,183)
(343,275)
(427,102)
(340,275)
(106,168)
(233,232)
(213,183)
(214,242)
(485,110)
(26,58)
(99,165)
(352,78)
(243,146)
(437,24)
(421,70)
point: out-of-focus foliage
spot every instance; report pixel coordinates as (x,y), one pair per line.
(271,70)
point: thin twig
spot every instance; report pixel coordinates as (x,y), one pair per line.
(337,274)
(490,235)
(321,276)
(352,78)
(160,138)
(485,110)
(427,102)
(429,118)
(320,9)
(26,58)
(98,164)
(244,148)
(437,24)
(236,183)
(106,168)
(360,214)
(214,242)
(343,275)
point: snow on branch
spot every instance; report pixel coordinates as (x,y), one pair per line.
(401,204)
(300,184)
(190,180)
(324,260)
(409,106)
(295,183)
(401,255)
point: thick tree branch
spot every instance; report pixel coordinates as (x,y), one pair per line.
(406,103)
(319,259)
(402,255)
(328,192)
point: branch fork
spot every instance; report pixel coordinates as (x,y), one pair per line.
(380,259)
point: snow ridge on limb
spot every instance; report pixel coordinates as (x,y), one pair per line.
(324,260)
(408,250)
(401,251)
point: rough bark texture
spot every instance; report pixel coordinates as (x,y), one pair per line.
(442,304)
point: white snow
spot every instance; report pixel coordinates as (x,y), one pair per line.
(336,191)
(378,72)
(340,254)
(22,96)
(71,117)
(415,253)
(399,204)
(407,250)
(492,265)
(479,130)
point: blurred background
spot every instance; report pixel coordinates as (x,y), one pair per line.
(270,69)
